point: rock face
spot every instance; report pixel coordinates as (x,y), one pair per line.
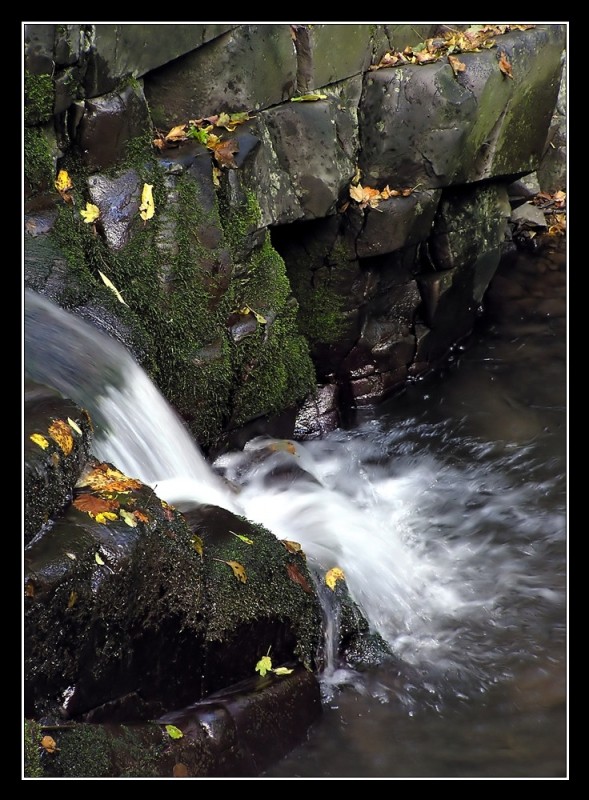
(233,310)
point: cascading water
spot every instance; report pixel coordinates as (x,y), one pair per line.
(451,530)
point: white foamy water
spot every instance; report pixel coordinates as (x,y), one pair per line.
(441,553)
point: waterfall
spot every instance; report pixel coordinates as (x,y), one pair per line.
(437,532)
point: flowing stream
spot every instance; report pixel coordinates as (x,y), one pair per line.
(446,510)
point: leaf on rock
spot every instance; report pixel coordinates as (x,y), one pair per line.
(332,576)
(180,771)
(105,516)
(29,590)
(141,516)
(198,544)
(74,425)
(282,671)
(60,432)
(40,440)
(98,559)
(105,478)
(264,665)
(223,151)
(91,213)
(110,285)
(177,134)
(238,569)
(308,98)
(456,64)
(505,66)
(174,732)
(292,547)
(63,182)
(216,175)
(73,599)
(243,538)
(297,576)
(49,744)
(283,446)
(147,207)
(71,556)
(128,518)
(94,505)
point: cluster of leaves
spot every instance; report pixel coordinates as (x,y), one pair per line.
(554,207)
(223,150)
(264,665)
(366,196)
(61,433)
(91,214)
(472,40)
(105,489)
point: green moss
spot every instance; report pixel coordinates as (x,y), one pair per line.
(38,159)
(32,750)
(39,98)
(85,752)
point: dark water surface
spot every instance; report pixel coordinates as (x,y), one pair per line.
(478,456)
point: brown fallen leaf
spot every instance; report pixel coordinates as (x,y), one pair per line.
(177,134)
(456,64)
(505,66)
(296,576)
(180,771)
(223,152)
(94,505)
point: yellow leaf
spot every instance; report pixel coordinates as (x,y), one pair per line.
(49,744)
(40,440)
(216,174)
(74,425)
(104,516)
(60,433)
(174,732)
(128,518)
(63,182)
(243,538)
(90,213)
(282,671)
(108,283)
(264,665)
(177,134)
(98,559)
(332,576)
(197,543)
(147,207)
(238,569)
(310,97)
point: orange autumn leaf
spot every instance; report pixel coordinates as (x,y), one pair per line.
(456,64)
(94,505)
(223,152)
(60,432)
(297,576)
(141,516)
(505,66)
(49,744)
(104,478)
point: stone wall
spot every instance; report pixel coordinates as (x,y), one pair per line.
(259,277)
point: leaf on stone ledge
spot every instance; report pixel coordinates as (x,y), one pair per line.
(94,505)
(238,569)
(40,440)
(90,214)
(223,151)
(505,66)
(308,98)
(456,64)
(74,425)
(243,538)
(264,665)
(174,732)
(332,576)
(147,207)
(60,432)
(110,285)
(49,744)
(296,576)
